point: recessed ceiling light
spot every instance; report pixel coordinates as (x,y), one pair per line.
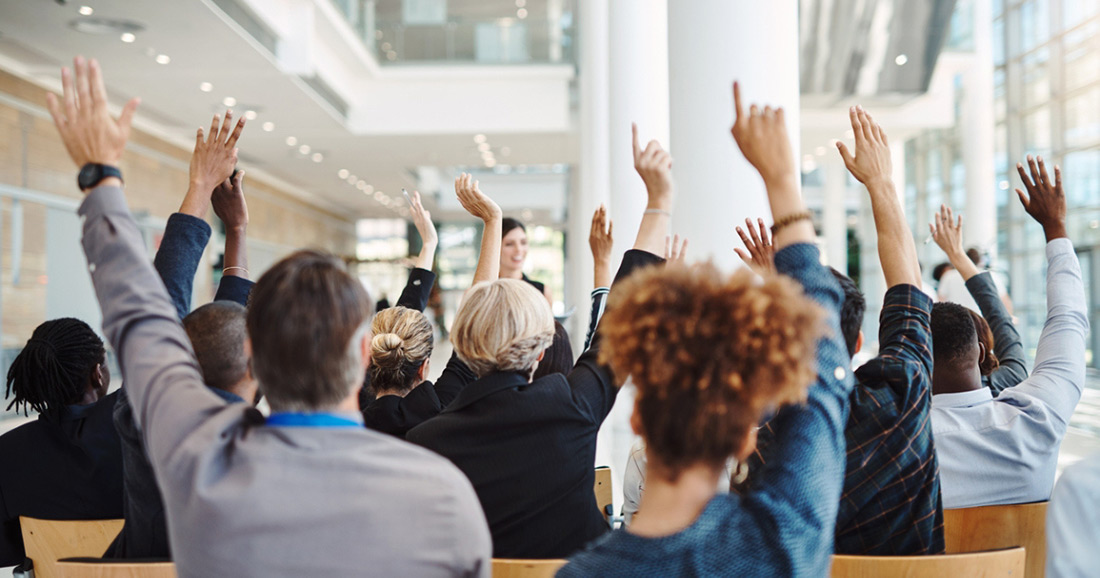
(491,163)
(343,173)
(352,179)
(269,126)
(484,147)
(229,101)
(206,87)
(361,185)
(250,115)
(318,157)
(391,55)
(901,60)
(368,190)
(479,138)
(127,37)
(291,141)
(521,13)
(107,26)
(379,195)
(163,59)
(86,10)
(304,149)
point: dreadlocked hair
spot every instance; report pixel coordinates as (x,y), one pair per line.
(53,369)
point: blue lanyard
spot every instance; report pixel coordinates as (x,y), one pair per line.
(294,419)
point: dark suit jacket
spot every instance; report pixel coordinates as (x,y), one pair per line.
(66,469)
(530,450)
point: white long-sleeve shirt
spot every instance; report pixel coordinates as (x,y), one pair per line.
(1005,450)
(1073,522)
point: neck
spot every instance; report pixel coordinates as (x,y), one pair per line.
(245,389)
(509,273)
(397,392)
(90,396)
(669,507)
(953,379)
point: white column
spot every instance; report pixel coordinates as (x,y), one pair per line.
(553,23)
(834,213)
(977,135)
(712,43)
(639,93)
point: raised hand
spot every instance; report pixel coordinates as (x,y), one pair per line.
(675,251)
(429,238)
(871,164)
(946,230)
(215,155)
(654,165)
(474,201)
(86,127)
(1045,200)
(229,203)
(601,242)
(759,252)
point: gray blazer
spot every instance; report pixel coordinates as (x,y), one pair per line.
(245,499)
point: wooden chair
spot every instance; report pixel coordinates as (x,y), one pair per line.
(121,569)
(47,541)
(602,488)
(995,564)
(508,568)
(994,527)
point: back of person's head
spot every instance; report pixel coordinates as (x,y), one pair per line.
(508,223)
(306,319)
(559,356)
(989,362)
(401,344)
(62,359)
(939,270)
(954,338)
(709,353)
(218,331)
(851,312)
(974,255)
(502,325)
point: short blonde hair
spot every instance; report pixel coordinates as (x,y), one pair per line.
(502,325)
(402,342)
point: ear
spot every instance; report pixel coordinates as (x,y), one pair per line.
(859,342)
(747,447)
(247,349)
(364,349)
(982,352)
(423,372)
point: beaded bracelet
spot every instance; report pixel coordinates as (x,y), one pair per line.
(791,219)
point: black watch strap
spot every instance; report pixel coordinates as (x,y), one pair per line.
(92,174)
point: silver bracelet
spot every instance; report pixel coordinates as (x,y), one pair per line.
(658,212)
(241,268)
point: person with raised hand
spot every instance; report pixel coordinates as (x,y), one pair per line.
(1004,450)
(220,467)
(675,251)
(601,241)
(534,481)
(709,354)
(759,253)
(1005,360)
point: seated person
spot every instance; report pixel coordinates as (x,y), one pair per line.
(245,496)
(1073,521)
(710,353)
(1002,364)
(1004,450)
(558,358)
(66,465)
(528,446)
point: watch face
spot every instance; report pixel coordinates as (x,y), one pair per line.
(89,175)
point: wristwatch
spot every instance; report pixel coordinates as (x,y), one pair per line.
(92,174)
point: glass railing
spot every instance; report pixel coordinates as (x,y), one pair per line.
(505,40)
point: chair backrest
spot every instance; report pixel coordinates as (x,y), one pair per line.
(122,569)
(995,564)
(602,488)
(47,541)
(508,568)
(994,527)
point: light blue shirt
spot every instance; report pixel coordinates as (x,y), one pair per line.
(1073,522)
(1005,450)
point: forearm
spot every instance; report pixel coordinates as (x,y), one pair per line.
(488,261)
(197,200)
(962,263)
(896,250)
(785,200)
(236,253)
(602,273)
(178,257)
(426,258)
(1007,344)
(418,289)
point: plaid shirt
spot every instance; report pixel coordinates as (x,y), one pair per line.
(891,502)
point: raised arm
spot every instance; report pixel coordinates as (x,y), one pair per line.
(759,252)
(871,165)
(231,208)
(601,241)
(1059,372)
(418,289)
(481,206)
(1007,346)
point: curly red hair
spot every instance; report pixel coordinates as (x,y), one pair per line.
(709,353)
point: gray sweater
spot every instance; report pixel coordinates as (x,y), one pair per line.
(246,499)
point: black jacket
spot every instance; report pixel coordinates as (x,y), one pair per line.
(530,449)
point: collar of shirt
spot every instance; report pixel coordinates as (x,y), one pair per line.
(319,419)
(962,399)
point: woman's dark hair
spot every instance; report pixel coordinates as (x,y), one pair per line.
(53,369)
(939,270)
(508,224)
(985,338)
(559,356)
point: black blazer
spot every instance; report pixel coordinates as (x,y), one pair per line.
(530,450)
(67,469)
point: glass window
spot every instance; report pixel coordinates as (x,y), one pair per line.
(1034,23)
(1076,11)
(1036,78)
(1081,178)
(998,42)
(1037,131)
(1083,118)
(1082,56)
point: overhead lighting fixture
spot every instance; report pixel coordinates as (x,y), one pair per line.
(163,59)
(86,11)
(127,37)
(391,55)
(521,13)
(105,26)
(318,157)
(229,101)
(368,190)
(361,185)
(484,147)
(343,173)
(250,115)
(304,149)
(479,138)
(379,195)
(490,163)
(269,126)
(206,86)
(291,141)
(901,60)
(352,179)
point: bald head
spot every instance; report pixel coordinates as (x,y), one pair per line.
(218,331)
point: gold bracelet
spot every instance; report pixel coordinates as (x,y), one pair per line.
(241,268)
(791,219)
